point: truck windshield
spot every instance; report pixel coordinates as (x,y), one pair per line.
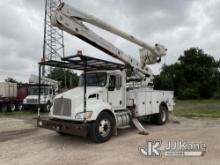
(94,79)
(35,91)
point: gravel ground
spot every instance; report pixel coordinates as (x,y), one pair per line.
(22,143)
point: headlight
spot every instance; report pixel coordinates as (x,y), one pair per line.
(40,123)
(43,100)
(84,115)
(24,101)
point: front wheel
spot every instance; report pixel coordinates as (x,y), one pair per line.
(47,107)
(19,106)
(102,129)
(162,117)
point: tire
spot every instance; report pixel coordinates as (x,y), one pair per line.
(153,118)
(19,107)
(11,107)
(4,107)
(162,117)
(102,129)
(47,107)
(25,107)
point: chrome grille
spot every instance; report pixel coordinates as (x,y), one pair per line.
(32,101)
(62,107)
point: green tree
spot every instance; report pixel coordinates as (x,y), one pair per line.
(190,77)
(67,78)
(10,79)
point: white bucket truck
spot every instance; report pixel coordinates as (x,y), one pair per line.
(106,98)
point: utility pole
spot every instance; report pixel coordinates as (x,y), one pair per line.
(53,43)
(217,76)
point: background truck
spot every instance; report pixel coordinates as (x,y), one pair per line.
(107,98)
(12,95)
(48,90)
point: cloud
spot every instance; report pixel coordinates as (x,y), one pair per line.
(21,34)
(177,24)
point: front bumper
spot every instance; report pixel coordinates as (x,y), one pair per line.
(80,129)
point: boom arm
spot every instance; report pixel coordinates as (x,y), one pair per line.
(71,20)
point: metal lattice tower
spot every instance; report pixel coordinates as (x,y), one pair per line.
(53,46)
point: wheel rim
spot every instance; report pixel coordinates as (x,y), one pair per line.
(20,107)
(47,107)
(12,107)
(163,116)
(104,127)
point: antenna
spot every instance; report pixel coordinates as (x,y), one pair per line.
(53,43)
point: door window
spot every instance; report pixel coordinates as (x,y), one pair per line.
(115,82)
(112,80)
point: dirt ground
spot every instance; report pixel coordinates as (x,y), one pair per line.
(22,143)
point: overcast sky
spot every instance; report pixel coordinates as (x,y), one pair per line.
(177,24)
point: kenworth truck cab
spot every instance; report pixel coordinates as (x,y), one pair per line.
(105,91)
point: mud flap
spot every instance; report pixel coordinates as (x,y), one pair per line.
(139,126)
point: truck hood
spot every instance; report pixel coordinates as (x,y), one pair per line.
(79,92)
(76,97)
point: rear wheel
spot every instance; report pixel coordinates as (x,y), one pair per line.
(11,107)
(4,107)
(102,129)
(162,117)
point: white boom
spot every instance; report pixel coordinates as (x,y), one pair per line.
(71,20)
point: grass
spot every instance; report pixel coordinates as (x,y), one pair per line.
(16,113)
(198,108)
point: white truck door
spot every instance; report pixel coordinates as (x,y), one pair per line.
(115,92)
